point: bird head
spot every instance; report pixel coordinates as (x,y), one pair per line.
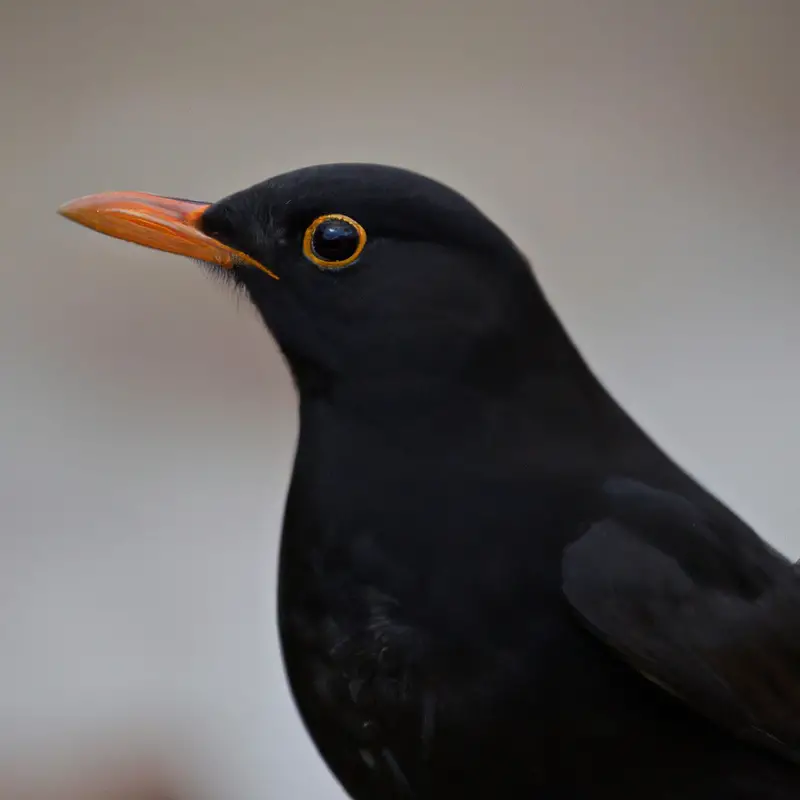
(360,271)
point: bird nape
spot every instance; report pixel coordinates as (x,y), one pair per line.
(492,582)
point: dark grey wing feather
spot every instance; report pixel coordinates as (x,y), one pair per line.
(695,611)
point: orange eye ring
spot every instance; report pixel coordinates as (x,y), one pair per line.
(343,230)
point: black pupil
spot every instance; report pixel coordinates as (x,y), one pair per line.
(335,240)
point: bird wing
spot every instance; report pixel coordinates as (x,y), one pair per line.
(699,605)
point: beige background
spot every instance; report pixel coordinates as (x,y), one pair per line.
(645,154)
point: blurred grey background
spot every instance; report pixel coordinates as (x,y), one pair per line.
(645,154)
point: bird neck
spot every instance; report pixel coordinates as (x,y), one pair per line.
(485,416)
(520,384)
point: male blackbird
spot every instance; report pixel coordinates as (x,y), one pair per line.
(492,583)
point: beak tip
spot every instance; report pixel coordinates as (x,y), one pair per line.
(71,209)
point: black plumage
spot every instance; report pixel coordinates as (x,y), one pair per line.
(492,582)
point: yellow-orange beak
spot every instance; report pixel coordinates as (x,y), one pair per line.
(161,223)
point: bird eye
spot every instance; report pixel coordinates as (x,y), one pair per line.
(333,241)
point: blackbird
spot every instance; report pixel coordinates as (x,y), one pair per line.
(492,582)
